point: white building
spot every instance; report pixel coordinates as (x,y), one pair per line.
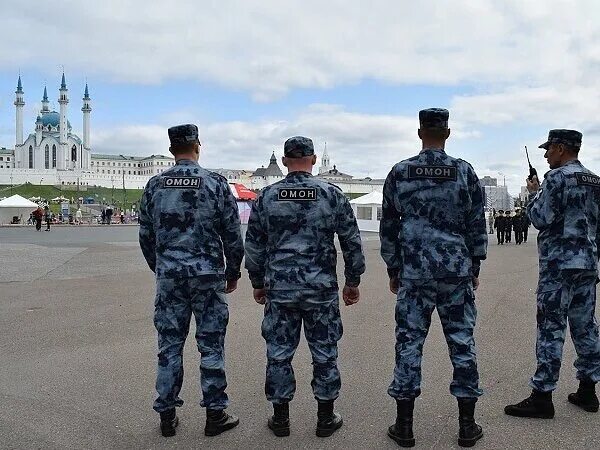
(54,155)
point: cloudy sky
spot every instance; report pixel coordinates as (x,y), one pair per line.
(350,73)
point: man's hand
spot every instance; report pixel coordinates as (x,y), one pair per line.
(260,296)
(394,285)
(351,295)
(533,185)
(475,283)
(230,286)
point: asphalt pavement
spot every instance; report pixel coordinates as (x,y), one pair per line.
(78,355)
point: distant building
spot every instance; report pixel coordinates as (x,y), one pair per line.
(265,176)
(497,197)
(488,181)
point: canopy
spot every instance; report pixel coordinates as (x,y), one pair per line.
(16,206)
(373,198)
(241,192)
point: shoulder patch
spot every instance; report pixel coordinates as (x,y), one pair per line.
(297,194)
(439,173)
(587,179)
(181,182)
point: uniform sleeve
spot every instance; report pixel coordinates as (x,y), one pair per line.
(389,229)
(256,246)
(476,238)
(350,243)
(231,234)
(547,206)
(147,236)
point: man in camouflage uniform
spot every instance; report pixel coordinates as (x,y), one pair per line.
(433,239)
(291,261)
(566,212)
(190,236)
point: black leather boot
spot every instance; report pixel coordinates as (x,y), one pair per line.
(279,423)
(468,432)
(585,397)
(168,422)
(538,406)
(402,432)
(328,421)
(218,421)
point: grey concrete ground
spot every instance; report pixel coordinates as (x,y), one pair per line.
(77,356)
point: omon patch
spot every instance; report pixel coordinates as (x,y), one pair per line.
(443,173)
(297,194)
(181,182)
(587,179)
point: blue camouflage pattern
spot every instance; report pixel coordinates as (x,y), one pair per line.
(566,211)
(286,312)
(570,297)
(176,301)
(298,147)
(432,228)
(189,222)
(183,134)
(455,303)
(290,244)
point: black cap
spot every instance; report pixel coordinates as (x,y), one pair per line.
(434,118)
(298,147)
(571,138)
(183,134)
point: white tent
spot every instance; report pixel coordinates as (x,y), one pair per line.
(16,206)
(367,210)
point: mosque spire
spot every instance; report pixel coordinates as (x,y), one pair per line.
(19,86)
(63,84)
(45,98)
(45,101)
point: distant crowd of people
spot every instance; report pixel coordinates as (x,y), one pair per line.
(504,223)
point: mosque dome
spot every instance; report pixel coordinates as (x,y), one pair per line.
(52,119)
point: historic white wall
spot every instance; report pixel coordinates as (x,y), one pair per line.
(55,177)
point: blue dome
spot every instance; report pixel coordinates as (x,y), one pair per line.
(53,119)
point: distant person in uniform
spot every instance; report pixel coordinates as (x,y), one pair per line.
(109,213)
(190,236)
(291,260)
(491,223)
(47,217)
(566,212)
(103,216)
(508,226)
(433,238)
(525,224)
(518,227)
(499,225)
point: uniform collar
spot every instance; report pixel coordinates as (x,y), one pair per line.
(299,173)
(431,149)
(186,162)
(573,161)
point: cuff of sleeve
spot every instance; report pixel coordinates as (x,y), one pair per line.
(393,272)
(232,274)
(353,281)
(476,267)
(257,280)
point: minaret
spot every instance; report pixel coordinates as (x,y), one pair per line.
(325,163)
(86,109)
(19,103)
(45,102)
(38,131)
(65,156)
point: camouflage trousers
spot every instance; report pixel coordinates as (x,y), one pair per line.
(176,301)
(570,296)
(455,302)
(285,313)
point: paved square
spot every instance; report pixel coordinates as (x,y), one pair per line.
(78,355)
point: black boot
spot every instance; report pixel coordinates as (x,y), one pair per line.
(468,432)
(280,422)
(402,431)
(168,422)
(585,397)
(327,420)
(538,405)
(218,421)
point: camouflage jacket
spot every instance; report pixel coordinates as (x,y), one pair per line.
(188,219)
(565,210)
(290,237)
(432,224)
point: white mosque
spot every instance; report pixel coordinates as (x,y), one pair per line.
(53,154)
